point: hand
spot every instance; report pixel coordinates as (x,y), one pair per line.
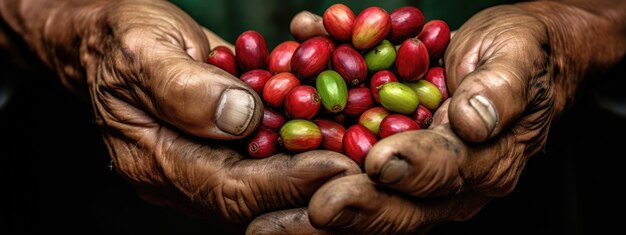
(143,63)
(507,74)
(158,74)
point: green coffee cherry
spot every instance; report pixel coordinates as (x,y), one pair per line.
(428,94)
(333,91)
(398,97)
(380,57)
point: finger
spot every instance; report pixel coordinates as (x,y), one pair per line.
(215,40)
(436,162)
(170,79)
(493,80)
(356,204)
(279,182)
(212,176)
(422,163)
(306,25)
(292,221)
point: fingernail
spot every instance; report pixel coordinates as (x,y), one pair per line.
(485,110)
(393,171)
(234,112)
(344,218)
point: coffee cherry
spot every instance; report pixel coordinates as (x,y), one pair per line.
(371,26)
(223,58)
(333,91)
(251,51)
(398,97)
(299,135)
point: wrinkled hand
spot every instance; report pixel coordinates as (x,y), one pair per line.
(504,99)
(153,92)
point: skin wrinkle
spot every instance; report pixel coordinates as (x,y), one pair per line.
(144,154)
(244,212)
(257,198)
(193,52)
(533,129)
(511,175)
(472,62)
(237,207)
(237,194)
(130,159)
(520,45)
(172,87)
(442,180)
(172,144)
(209,198)
(536,138)
(512,86)
(385,220)
(495,182)
(453,181)
(424,174)
(208,182)
(122,84)
(184,90)
(118,114)
(139,138)
(242,191)
(116,89)
(250,203)
(129,165)
(379,225)
(412,219)
(296,193)
(225,208)
(127,57)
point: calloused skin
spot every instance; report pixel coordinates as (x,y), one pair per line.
(511,70)
(165,114)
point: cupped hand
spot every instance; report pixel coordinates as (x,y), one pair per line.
(501,77)
(169,119)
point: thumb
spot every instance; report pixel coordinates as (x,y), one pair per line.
(205,101)
(169,79)
(496,79)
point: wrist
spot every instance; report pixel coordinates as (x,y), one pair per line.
(582,45)
(64,35)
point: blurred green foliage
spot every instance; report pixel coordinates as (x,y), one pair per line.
(271,18)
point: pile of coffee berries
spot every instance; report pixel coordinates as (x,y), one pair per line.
(373,75)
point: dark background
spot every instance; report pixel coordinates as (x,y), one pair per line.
(55,174)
